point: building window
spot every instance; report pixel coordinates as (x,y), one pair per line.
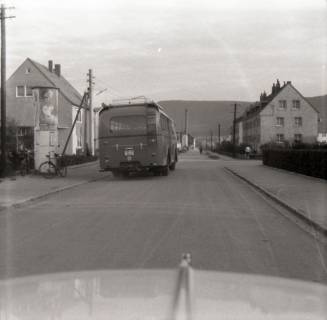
(28,70)
(24,91)
(21,131)
(24,131)
(20,91)
(298,122)
(296,104)
(29,91)
(280,121)
(280,137)
(282,104)
(298,137)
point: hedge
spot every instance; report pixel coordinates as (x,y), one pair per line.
(309,162)
(71,160)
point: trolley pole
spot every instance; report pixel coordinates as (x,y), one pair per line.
(3,88)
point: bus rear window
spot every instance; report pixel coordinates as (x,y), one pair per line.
(128,125)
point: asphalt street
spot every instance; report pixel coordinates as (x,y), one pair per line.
(148,222)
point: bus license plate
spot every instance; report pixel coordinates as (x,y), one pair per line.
(129,152)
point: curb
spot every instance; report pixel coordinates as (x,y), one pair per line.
(284,204)
(81,165)
(61,189)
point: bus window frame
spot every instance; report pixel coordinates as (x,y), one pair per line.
(123,132)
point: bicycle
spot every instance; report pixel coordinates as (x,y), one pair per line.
(26,162)
(48,169)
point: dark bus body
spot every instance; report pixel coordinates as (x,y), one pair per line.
(136,137)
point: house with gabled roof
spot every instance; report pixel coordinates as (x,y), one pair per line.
(21,107)
(320,103)
(284,115)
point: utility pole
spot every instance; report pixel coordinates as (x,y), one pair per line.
(186,121)
(211,135)
(85,145)
(88,125)
(234,131)
(219,133)
(186,129)
(82,105)
(3,87)
(90,118)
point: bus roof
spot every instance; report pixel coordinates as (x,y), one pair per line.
(124,103)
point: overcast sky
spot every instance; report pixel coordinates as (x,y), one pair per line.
(175,49)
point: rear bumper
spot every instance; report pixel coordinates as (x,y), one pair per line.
(137,163)
(132,166)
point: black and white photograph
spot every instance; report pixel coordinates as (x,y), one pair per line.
(163,159)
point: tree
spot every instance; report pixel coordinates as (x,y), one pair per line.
(11,130)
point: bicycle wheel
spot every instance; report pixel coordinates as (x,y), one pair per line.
(47,169)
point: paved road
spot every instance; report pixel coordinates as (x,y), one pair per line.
(147,222)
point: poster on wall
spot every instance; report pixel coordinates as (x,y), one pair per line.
(46,100)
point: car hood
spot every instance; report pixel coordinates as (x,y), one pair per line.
(148,294)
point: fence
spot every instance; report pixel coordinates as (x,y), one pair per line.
(308,162)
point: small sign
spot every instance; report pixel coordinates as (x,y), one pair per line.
(129,152)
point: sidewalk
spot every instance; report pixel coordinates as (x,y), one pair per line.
(215,155)
(212,155)
(306,195)
(31,187)
(220,156)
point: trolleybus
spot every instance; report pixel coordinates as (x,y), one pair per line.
(136,136)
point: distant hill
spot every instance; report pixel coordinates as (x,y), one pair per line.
(320,103)
(203,115)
